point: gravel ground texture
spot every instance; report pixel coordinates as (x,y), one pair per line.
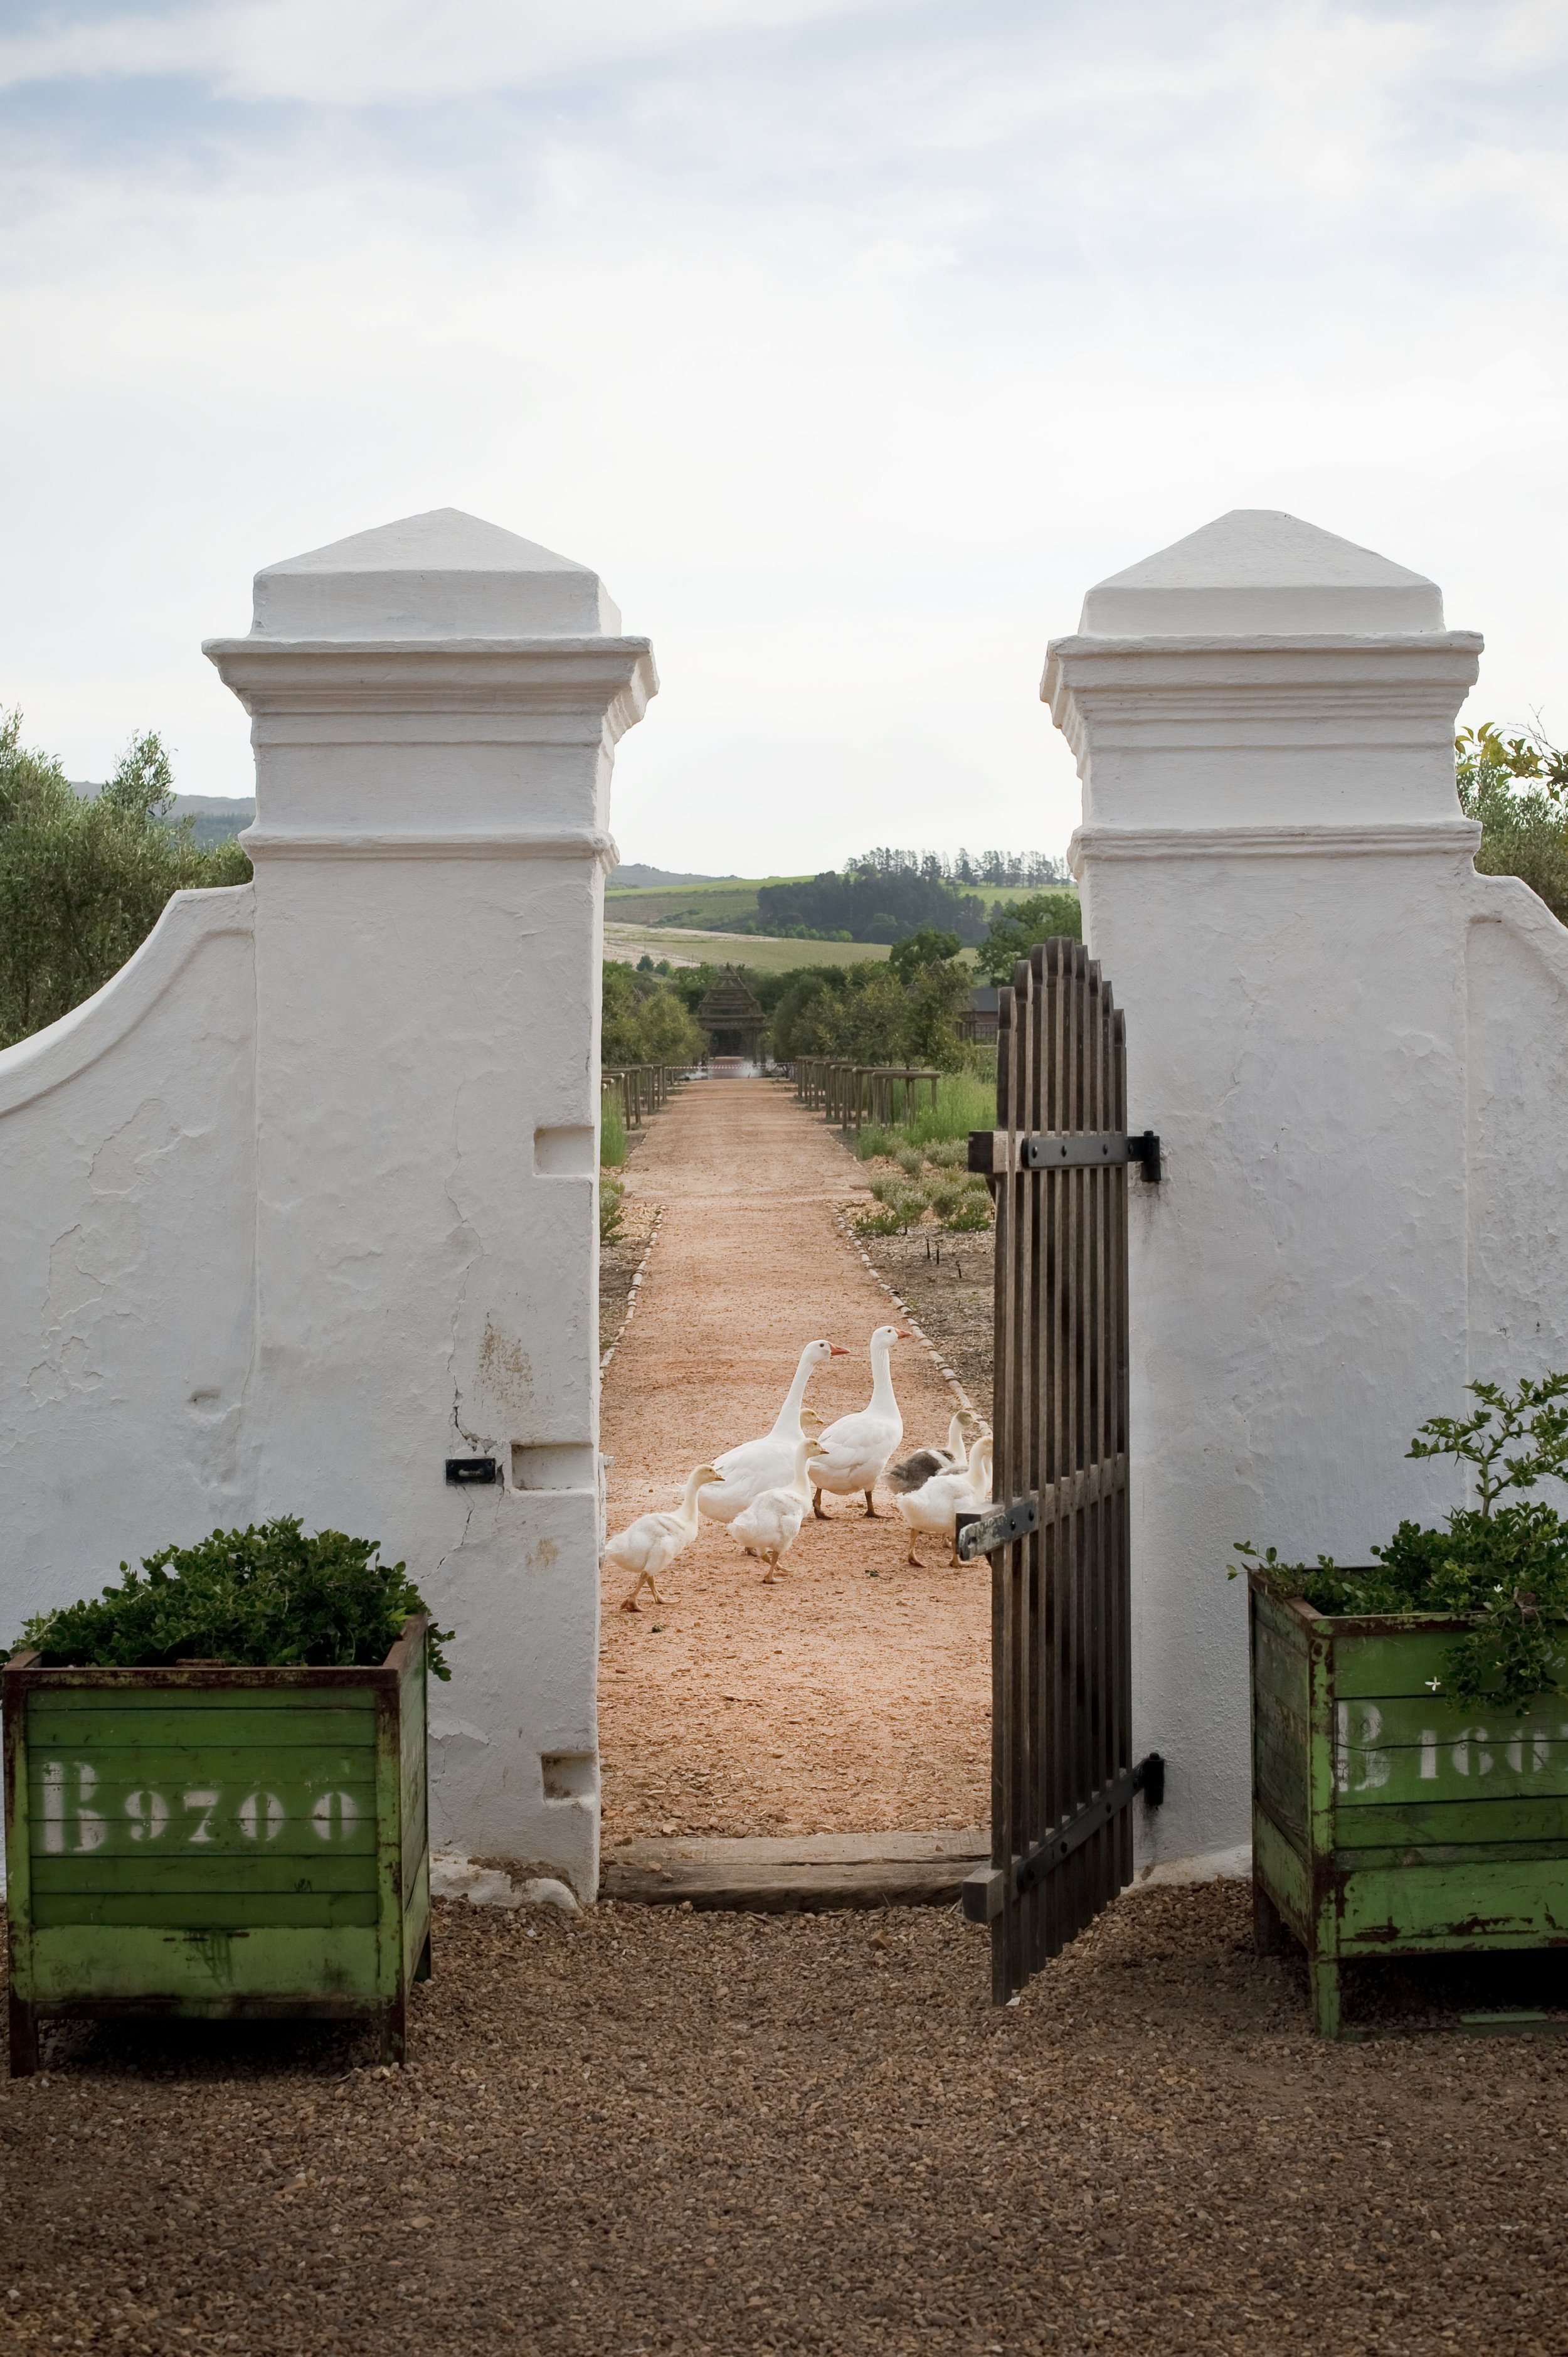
(652,2130)
(854,1694)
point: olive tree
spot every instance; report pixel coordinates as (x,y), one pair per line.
(83,880)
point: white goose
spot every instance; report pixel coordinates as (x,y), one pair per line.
(771,1523)
(769,1463)
(933,1511)
(857,1449)
(652,1543)
(811,1429)
(924,1466)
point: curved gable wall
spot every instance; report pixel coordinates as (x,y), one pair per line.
(127,1154)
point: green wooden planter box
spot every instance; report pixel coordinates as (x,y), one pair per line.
(1385,1819)
(216,1843)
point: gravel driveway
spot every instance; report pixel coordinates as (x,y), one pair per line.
(731,2134)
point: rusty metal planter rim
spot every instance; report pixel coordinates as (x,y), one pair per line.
(1371,1624)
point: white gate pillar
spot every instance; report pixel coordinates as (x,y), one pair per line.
(435,707)
(1275,877)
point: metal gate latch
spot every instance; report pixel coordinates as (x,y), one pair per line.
(976,1534)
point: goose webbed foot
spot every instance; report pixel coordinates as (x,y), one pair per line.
(871,1513)
(644,1579)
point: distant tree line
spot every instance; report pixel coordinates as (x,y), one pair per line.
(1011,868)
(888,895)
(900,1010)
(865,905)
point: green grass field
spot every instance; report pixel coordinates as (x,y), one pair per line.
(629,943)
(687,904)
(696,906)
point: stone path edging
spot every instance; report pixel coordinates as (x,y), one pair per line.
(637,1274)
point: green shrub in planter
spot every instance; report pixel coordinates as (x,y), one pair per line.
(269,1597)
(1409,1750)
(216,1789)
(1504,1567)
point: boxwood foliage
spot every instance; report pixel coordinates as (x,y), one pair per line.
(271,1597)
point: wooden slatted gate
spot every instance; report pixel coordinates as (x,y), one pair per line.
(1063,1778)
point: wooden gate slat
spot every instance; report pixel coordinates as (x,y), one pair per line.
(1059,1696)
(1030,1462)
(1031,1272)
(1004,1827)
(1061,1623)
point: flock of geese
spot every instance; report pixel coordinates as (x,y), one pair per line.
(767,1490)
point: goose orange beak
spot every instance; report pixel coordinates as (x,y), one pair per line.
(837,1350)
(904,1334)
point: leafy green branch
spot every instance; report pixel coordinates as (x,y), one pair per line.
(1533,1413)
(1503,1566)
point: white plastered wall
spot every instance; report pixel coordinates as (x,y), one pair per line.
(1355,1053)
(305,1201)
(126,1281)
(1517,1005)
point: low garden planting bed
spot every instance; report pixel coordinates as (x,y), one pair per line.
(217,1842)
(1410,1717)
(1386,1819)
(216,1789)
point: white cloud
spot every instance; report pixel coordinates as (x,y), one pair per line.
(360,53)
(850,367)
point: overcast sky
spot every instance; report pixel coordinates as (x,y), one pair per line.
(849,340)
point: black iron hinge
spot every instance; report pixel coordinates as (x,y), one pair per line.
(995,1152)
(984,1890)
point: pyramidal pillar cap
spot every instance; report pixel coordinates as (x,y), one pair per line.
(444,575)
(1258,572)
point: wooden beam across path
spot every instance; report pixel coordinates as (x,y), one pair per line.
(795,1874)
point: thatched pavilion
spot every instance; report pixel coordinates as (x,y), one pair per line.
(733,1018)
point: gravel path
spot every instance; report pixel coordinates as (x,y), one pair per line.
(717,2135)
(833,1701)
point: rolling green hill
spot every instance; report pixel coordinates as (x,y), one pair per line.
(716,905)
(697,906)
(629,943)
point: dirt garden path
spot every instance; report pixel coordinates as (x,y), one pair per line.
(833,1701)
